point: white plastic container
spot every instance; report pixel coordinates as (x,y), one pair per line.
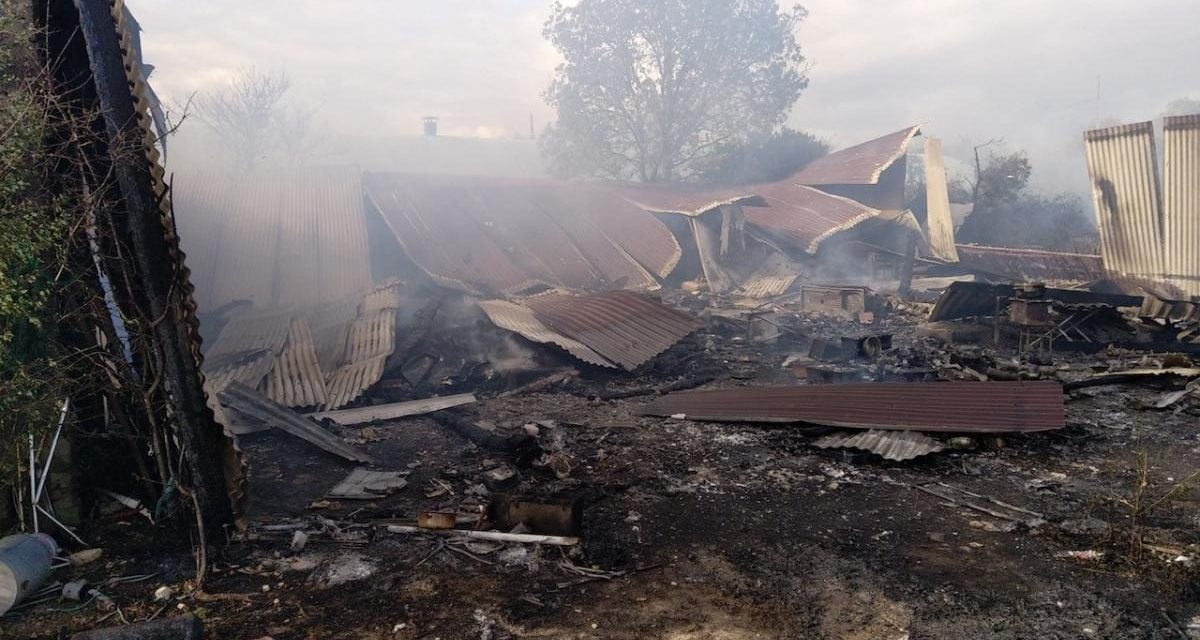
(25,561)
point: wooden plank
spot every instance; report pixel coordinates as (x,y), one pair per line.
(393,410)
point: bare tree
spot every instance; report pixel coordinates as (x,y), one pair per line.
(252,119)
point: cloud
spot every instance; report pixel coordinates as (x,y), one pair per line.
(1024,70)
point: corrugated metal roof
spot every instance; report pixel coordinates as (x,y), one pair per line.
(1181,188)
(612,329)
(292,238)
(860,164)
(682,200)
(519,319)
(1122,165)
(939,223)
(296,379)
(969,407)
(1030,264)
(505,236)
(891,445)
(804,216)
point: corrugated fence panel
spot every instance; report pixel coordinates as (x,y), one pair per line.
(1181,186)
(1123,169)
(939,225)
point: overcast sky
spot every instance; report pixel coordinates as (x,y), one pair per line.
(1034,72)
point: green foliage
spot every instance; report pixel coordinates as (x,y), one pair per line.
(653,91)
(33,235)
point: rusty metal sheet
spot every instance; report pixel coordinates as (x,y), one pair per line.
(1181,190)
(681,199)
(860,164)
(708,251)
(890,445)
(507,235)
(294,238)
(623,328)
(966,407)
(803,216)
(773,278)
(939,224)
(1030,264)
(1123,169)
(520,319)
(296,379)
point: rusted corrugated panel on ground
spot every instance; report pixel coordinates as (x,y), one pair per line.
(681,200)
(520,319)
(293,238)
(1030,264)
(1123,168)
(624,327)
(296,379)
(1181,188)
(507,235)
(773,278)
(891,445)
(613,329)
(939,224)
(967,407)
(803,216)
(860,164)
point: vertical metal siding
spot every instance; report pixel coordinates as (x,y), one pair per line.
(1123,169)
(1181,187)
(939,225)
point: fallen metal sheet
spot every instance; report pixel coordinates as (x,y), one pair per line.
(860,164)
(774,277)
(248,332)
(350,380)
(296,379)
(1030,264)
(394,410)
(966,407)
(247,368)
(1122,166)
(978,299)
(939,224)
(624,327)
(362,484)
(507,236)
(1181,191)
(802,216)
(251,403)
(372,338)
(519,319)
(294,238)
(890,445)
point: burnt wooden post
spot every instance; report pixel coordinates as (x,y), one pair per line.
(141,222)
